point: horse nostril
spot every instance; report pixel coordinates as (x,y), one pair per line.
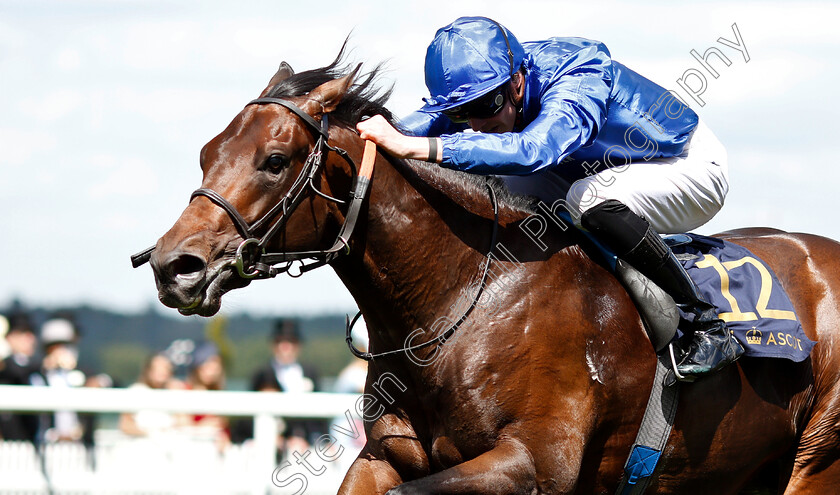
(185,265)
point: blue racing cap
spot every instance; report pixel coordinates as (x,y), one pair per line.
(468,59)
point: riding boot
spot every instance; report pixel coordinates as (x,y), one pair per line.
(712,346)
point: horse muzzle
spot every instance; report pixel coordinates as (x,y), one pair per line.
(181,278)
(188,283)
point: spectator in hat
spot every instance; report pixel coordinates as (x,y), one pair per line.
(59,368)
(17,369)
(285,374)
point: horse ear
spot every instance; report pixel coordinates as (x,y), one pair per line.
(284,72)
(329,94)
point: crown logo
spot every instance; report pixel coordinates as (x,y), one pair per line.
(754,336)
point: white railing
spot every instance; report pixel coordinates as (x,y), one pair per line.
(173,462)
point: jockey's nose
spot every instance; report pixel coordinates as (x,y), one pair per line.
(477,124)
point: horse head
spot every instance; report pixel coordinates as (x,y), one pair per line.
(271,186)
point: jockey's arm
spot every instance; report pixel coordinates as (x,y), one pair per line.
(400,145)
(572,109)
(563,125)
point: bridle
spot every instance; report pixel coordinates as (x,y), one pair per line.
(252,258)
(253,261)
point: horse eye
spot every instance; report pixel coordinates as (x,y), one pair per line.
(276,163)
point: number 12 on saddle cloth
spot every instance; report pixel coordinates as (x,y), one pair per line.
(749,297)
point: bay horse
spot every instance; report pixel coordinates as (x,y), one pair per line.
(540,390)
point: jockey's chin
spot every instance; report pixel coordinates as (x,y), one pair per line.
(503,121)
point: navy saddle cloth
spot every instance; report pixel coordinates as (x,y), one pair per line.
(748,295)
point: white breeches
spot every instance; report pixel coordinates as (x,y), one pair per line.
(674,194)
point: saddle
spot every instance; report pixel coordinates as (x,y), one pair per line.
(748,295)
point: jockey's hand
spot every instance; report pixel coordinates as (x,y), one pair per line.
(378,130)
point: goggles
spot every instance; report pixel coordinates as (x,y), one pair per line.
(483,108)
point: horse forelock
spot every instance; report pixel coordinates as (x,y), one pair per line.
(364,98)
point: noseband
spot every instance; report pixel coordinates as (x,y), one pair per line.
(252,260)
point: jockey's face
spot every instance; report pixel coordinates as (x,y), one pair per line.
(505,120)
(501,122)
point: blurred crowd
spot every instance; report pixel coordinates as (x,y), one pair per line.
(49,357)
(56,365)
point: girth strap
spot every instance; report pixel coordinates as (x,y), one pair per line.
(653,433)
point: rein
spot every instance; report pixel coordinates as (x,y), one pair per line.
(252,260)
(442,338)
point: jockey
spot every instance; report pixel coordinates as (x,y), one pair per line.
(561,120)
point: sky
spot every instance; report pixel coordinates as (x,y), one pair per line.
(104,106)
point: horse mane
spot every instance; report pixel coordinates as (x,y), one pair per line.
(474,185)
(366,98)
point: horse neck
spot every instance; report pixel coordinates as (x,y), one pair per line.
(423,241)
